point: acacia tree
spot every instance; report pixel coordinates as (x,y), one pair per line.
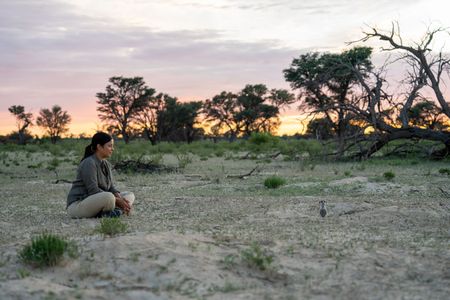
(123,100)
(254,109)
(23,121)
(220,111)
(176,121)
(326,82)
(320,129)
(147,117)
(54,122)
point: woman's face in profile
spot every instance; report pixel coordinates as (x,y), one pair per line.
(106,150)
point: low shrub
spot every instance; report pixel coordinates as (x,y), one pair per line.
(274,182)
(112,226)
(259,138)
(444,171)
(257,257)
(47,250)
(389,175)
(183,160)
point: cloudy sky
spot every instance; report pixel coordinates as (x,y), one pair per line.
(63,51)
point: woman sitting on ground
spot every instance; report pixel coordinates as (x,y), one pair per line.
(93,193)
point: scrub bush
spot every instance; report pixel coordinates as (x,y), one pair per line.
(274,182)
(47,250)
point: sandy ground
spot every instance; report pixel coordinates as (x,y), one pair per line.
(380,240)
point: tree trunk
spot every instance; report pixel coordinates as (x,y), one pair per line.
(341,124)
(125,136)
(409,133)
(21,138)
(149,136)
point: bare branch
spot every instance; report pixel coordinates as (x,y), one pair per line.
(242,176)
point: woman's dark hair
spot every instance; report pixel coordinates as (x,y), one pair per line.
(100,138)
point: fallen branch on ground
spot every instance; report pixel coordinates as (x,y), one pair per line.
(62,180)
(247,155)
(446,194)
(243,175)
(273,156)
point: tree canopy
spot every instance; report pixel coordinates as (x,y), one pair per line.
(349,91)
(254,109)
(23,121)
(54,122)
(121,103)
(326,82)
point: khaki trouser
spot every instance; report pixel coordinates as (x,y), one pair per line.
(92,205)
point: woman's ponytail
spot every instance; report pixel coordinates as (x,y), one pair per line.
(88,151)
(100,138)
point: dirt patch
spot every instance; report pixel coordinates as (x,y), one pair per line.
(350,180)
(379,240)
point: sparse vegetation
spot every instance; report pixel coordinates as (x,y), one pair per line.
(445,171)
(47,250)
(112,226)
(389,175)
(257,257)
(208,213)
(274,182)
(229,261)
(259,138)
(23,273)
(184,160)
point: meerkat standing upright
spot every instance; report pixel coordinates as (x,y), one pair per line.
(323,209)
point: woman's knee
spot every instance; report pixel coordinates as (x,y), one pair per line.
(110,201)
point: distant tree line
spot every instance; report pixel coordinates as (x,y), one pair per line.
(344,96)
(130,108)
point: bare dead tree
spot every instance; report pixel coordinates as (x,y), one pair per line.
(387,114)
(433,65)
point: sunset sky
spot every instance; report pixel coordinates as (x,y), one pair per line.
(63,51)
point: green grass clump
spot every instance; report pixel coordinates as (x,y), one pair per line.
(183,160)
(444,171)
(389,175)
(112,226)
(259,138)
(274,182)
(257,257)
(47,250)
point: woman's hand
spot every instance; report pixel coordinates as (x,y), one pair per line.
(123,204)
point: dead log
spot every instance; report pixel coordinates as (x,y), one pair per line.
(243,175)
(273,156)
(62,181)
(446,194)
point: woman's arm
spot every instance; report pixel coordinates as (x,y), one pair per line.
(88,172)
(112,189)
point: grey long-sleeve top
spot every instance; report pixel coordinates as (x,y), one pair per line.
(93,176)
